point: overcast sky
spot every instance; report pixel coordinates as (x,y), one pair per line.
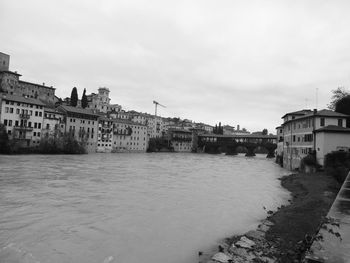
(238,62)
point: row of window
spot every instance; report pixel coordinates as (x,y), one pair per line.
(37,125)
(82,121)
(305,138)
(27,112)
(23,104)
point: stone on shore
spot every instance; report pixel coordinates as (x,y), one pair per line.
(245,242)
(221,257)
(255,234)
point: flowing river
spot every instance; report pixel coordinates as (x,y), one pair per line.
(128,208)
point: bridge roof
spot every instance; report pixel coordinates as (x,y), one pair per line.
(253,136)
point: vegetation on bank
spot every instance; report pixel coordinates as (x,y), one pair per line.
(159,145)
(58,144)
(337,164)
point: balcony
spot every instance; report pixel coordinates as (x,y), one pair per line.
(24,116)
(22,128)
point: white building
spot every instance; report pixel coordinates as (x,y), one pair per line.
(23,119)
(105,135)
(129,136)
(82,124)
(53,123)
(299,130)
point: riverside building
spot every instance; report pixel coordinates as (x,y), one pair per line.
(11,84)
(82,124)
(53,123)
(105,135)
(23,119)
(180,139)
(311,132)
(129,136)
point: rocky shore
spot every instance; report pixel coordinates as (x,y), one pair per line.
(287,233)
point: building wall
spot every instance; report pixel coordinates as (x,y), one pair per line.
(84,130)
(105,136)
(129,137)
(53,124)
(327,142)
(4,62)
(299,138)
(23,121)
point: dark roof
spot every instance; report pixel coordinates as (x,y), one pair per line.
(333,129)
(254,136)
(179,130)
(127,122)
(321,113)
(53,110)
(22,99)
(10,72)
(300,112)
(40,85)
(330,113)
(77,110)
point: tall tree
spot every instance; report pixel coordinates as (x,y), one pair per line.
(338,94)
(4,140)
(74,97)
(84,102)
(264,132)
(343,106)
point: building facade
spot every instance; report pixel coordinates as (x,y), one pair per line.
(82,124)
(11,84)
(180,139)
(299,133)
(53,123)
(129,136)
(23,119)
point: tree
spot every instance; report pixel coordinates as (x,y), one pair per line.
(343,106)
(84,102)
(74,97)
(338,94)
(264,132)
(4,140)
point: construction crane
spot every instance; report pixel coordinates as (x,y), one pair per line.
(156,105)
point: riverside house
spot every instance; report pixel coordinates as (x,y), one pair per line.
(23,118)
(308,131)
(82,124)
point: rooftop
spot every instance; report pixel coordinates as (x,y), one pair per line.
(333,128)
(300,112)
(40,85)
(21,99)
(77,110)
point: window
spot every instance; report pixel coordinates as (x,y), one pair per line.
(30,124)
(36,113)
(47,126)
(5,122)
(322,122)
(40,114)
(35,125)
(10,123)
(293,138)
(39,125)
(6,109)
(340,122)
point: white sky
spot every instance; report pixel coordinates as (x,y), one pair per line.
(238,62)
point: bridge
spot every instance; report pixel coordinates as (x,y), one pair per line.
(214,143)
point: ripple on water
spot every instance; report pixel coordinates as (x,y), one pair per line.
(130,207)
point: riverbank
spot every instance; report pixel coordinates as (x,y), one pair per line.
(281,237)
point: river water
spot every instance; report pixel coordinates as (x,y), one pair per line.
(128,208)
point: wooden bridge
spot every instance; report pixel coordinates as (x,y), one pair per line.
(214,143)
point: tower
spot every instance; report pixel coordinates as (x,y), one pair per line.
(4,62)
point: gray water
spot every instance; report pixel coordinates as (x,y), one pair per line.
(129,208)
